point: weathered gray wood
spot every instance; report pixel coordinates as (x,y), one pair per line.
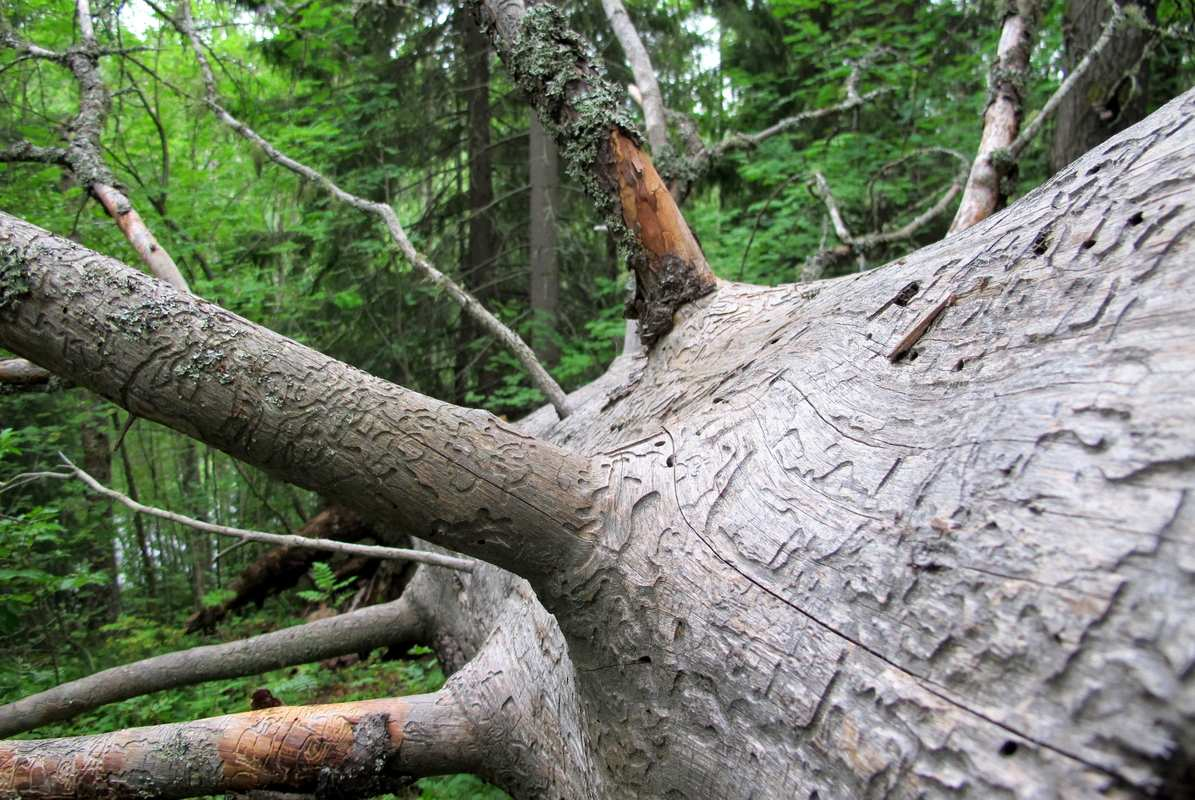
(355,632)
(966,573)
(428,467)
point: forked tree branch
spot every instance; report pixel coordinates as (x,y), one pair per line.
(470,305)
(1003,141)
(355,632)
(458,477)
(83,154)
(356,749)
(559,73)
(281,539)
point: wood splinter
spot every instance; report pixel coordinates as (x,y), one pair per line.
(913,336)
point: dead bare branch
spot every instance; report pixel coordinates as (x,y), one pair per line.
(83,153)
(332,546)
(355,632)
(649,96)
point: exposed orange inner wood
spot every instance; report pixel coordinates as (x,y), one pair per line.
(648,208)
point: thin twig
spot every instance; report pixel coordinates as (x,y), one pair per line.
(331,545)
(1031,130)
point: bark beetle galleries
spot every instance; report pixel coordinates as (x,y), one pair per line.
(671,269)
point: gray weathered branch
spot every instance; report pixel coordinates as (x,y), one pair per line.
(354,632)
(280,539)
(649,98)
(459,477)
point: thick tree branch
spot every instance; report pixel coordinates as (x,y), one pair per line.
(458,477)
(512,341)
(649,96)
(559,74)
(345,750)
(281,539)
(355,632)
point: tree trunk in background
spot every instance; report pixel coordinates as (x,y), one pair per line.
(545,269)
(199,544)
(478,270)
(1111,95)
(148,573)
(97,461)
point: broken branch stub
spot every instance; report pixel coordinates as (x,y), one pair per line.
(560,75)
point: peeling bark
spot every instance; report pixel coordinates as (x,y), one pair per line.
(342,750)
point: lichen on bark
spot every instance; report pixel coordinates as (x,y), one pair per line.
(14,279)
(565,82)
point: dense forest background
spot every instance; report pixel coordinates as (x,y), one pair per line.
(402,102)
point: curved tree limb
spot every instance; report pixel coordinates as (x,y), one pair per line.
(463,478)
(354,632)
(345,750)
(512,341)
(290,540)
(557,70)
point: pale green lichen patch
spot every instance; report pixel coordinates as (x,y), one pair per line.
(204,363)
(562,76)
(14,274)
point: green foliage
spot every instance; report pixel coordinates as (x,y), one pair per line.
(327,591)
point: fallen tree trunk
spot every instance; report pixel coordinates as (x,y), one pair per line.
(787,566)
